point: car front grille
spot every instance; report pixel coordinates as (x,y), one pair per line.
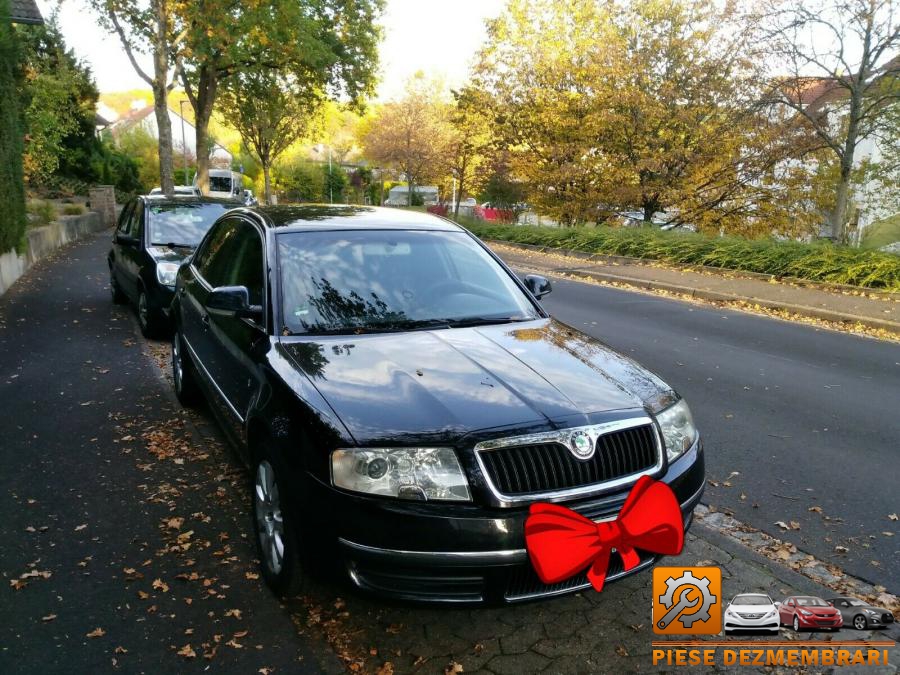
(749,616)
(887,617)
(548,467)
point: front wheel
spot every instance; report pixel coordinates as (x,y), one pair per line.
(149,319)
(796,624)
(184,376)
(276,536)
(859,622)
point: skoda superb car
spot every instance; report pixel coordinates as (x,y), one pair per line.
(402,398)
(752,611)
(808,613)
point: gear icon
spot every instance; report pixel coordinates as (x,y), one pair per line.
(701,584)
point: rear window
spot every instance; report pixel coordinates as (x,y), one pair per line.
(181,224)
(220,183)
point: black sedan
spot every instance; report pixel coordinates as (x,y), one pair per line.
(861,615)
(402,398)
(153,236)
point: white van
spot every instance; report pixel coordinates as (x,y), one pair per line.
(225,184)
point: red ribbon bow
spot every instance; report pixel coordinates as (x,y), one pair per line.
(561,542)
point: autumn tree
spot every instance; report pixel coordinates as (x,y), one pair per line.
(468,141)
(150,27)
(835,65)
(410,134)
(270,111)
(622,106)
(12,186)
(330,44)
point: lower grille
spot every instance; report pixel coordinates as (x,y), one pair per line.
(524,583)
(548,467)
(414,584)
(887,618)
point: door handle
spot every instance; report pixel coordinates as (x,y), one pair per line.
(182,291)
(205,319)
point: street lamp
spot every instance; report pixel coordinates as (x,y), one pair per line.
(183,144)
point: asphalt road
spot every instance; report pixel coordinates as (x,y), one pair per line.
(809,418)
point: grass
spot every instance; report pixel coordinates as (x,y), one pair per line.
(73,210)
(43,212)
(882,233)
(815,262)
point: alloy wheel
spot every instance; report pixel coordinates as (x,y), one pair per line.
(269,518)
(859,623)
(177,364)
(143,310)
(796,624)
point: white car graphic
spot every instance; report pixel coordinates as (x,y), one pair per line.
(751,611)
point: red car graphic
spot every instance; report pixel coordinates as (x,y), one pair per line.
(809,613)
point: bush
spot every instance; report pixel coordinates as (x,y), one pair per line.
(73,210)
(42,212)
(815,262)
(12,187)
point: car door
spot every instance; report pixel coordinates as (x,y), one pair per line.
(236,341)
(784,612)
(132,251)
(121,242)
(206,272)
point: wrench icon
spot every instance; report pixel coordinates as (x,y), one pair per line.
(682,604)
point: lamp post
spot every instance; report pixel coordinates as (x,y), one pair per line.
(183,144)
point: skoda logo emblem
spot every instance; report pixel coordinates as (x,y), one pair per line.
(581,445)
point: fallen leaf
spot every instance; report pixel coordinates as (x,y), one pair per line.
(175,523)
(386,669)
(893,516)
(795,525)
(120,650)
(251,575)
(17,584)
(161,585)
(49,617)
(236,613)
(187,652)
(783,525)
(97,632)
(621,651)
(841,549)
(241,633)
(453,668)
(81,527)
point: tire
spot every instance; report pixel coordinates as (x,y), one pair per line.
(860,622)
(184,376)
(149,319)
(796,624)
(276,536)
(118,295)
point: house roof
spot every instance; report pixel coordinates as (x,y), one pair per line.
(25,11)
(134,117)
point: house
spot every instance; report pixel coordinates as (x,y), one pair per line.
(183,133)
(25,11)
(399,195)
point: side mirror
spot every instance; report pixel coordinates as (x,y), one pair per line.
(777,603)
(233,301)
(126,240)
(538,285)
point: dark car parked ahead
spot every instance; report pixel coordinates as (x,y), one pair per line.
(154,235)
(402,398)
(861,615)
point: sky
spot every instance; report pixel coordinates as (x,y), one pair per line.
(438,37)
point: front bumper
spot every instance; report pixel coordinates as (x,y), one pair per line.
(818,622)
(733,622)
(428,552)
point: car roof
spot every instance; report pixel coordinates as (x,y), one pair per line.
(759,595)
(305,217)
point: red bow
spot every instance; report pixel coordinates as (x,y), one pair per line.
(561,542)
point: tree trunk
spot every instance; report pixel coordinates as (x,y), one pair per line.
(841,200)
(267,192)
(207,86)
(160,103)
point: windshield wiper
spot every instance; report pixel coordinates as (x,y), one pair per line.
(468,322)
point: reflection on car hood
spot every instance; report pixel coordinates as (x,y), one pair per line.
(166,254)
(441,384)
(752,609)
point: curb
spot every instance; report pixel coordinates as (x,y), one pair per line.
(720,271)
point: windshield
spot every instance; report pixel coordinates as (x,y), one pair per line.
(811,602)
(181,224)
(379,280)
(220,184)
(751,600)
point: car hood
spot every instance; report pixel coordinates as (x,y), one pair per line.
(434,386)
(167,254)
(821,611)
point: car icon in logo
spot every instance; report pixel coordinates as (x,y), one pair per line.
(581,445)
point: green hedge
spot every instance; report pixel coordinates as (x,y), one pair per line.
(12,189)
(816,262)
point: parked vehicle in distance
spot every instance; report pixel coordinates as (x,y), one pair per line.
(154,234)
(402,398)
(180,191)
(807,612)
(224,184)
(249,199)
(752,611)
(861,615)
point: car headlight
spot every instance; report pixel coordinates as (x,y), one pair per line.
(806,612)
(678,430)
(770,613)
(166,273)
(872,612)
(423,474)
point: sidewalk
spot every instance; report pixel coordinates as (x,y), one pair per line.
(840,304)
